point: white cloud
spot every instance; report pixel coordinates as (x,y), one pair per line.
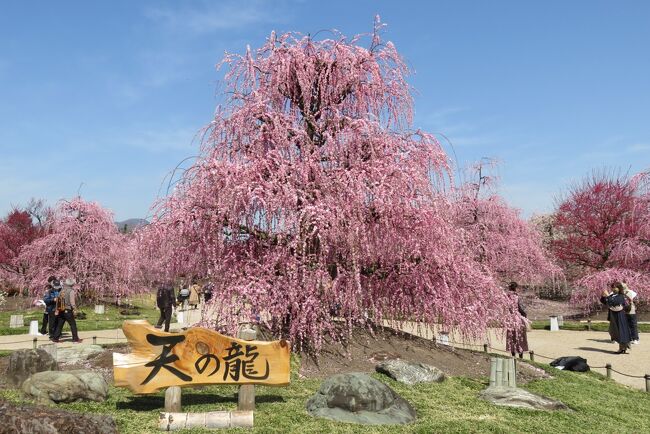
(213,16)
(639,147)
(613,149)
(161,139)
(451,125)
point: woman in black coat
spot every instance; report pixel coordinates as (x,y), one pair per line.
(615,301)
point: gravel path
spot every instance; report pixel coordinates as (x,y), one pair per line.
(594,346)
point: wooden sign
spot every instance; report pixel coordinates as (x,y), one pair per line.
(196,357)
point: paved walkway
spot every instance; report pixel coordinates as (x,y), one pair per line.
(593,346)
(18,342)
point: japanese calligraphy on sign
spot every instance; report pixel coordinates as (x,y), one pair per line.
(195,357)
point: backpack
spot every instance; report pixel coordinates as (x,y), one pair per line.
(60,302)
(571,363)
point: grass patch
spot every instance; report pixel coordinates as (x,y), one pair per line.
(581,326)
(111,319)
(598,405)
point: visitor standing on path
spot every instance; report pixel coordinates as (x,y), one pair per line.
(46,316)
(615,301)
(630,311)
(166,302)
(195,299)
(65,306)
(50,316)
(516,339)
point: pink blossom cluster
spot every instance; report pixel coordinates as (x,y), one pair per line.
(604,232)
(314,204)
(82,242)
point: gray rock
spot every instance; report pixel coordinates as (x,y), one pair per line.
(77,353)
(410,373)
(23,363)
(66,386)
(358,398)
(48,420)
(516,397)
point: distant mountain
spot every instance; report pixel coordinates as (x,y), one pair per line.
(130,224)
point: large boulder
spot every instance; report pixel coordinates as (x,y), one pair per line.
(77,353)
(66,386)
(23,363)
(20,419)
(410,373)
(516,397)
(358,398)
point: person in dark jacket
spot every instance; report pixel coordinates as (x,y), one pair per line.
(65,308)
(50,306)
(615,301)
(46,312)
(166,301)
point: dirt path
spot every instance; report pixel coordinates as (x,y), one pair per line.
(594,346)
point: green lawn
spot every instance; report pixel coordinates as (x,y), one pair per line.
(576,325)
(112,319)
(598,405)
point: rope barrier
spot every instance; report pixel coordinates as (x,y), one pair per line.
(16,342)
(608,367)
(627,375)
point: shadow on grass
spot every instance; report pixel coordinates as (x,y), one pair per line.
(150,403)
(596,350)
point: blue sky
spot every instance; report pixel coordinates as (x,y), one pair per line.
(105,98)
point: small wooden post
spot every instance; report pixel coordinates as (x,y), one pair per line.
(173,399)
(485,348)
(35,341)
(246,398)
(609,370)
(589,325)
(94,340)
(647,382)
(532,356)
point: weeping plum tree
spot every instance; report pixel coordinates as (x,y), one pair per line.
(314,199)
(501,241)
(17,229)
(82,242)
(603,231)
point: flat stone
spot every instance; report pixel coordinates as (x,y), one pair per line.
(409,372)
(520,398)
(23,363)
(47,420)
(77,353)
(66,386)
(358,398)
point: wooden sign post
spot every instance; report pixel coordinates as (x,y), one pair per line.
(196,357)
